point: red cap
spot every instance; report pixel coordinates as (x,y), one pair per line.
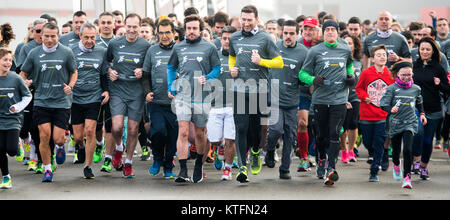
(310,22)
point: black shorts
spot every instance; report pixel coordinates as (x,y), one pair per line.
(56,116)
(352,117)
(105,118)
(81,112)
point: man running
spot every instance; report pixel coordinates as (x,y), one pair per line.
(90,92)
(72,38)
(127,55)
(293,54)
(53,72)
(252,53)
(197,62)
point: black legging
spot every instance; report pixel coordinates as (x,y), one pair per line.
(330,119)
(396,141)
(9,142)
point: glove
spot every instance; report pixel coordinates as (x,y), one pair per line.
(318,81)
(350,80)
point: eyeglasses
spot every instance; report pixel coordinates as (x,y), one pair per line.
(164,33)
(289,33)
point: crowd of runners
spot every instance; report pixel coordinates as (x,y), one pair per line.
(224,91)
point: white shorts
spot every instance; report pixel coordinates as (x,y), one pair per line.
(221,124)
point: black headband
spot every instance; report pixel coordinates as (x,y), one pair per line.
(401,65)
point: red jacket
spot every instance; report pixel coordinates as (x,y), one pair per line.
(373,83)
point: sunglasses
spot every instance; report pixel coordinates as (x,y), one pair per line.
(38,31)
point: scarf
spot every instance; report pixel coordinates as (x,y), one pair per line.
(251,33)
(168,47)
(404,85)
(50,50)
(306,43)
(225,52)
(84,49)
(384,34)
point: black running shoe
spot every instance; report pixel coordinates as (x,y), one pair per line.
(88,173)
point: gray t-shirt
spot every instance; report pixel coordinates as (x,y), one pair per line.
(242,48)
(49,72)
(330,63)
(406,99)
(396,43)
(445,48)
(70,39)
(222,87)
(12,89)
(193,61)
(155,63)
(90,66)
(103,42)
(352,97)
(125,58)
(25,51)
(293,58)
(444,61)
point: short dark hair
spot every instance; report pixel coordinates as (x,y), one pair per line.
(79,14)
(190,11)
(378,47)
(408,35)
(329,17)
(229,29)
(46,16)
(117,13)
(68,25)
(180,32)
(133,15)
(367,22)
(50,26)
(354,20)
(166,22)
(300,18)
(250,9)
(171,15)
(221,17)
(106,14)
(433,32)
(194,17)
(292,23)
(321,15)
(4,52)
(416,26)
(280,21)
(342,26)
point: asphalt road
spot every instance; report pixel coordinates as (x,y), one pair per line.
(353,184)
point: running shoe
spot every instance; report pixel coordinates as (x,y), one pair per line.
(437,144)
(385,161)
(358,141)
(128,171)
(396,172)
(26,146)
(332,177)
(98,153)
(107,166)
(370,160)
(39,168)
(320,170)
(32,165)
(255,162)
(242,176)
(352,157)
(304,166)
(285,175)
(75,157)
(197,176)
(424,173)
(183,177)
(416,167)
(20,153)
(344,156)
(6,183)
(117,160)
(72,144)
(60,155)
(154,169)
(48,177)
(218,164)
(227,174)
(374,178)
(88,173)
(168,174)
(53,163)
(445,147)
(407,182)
(145,153)
(235,162)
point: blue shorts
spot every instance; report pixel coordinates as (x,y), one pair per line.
(304,104)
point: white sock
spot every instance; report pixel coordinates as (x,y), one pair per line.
(9,176)
(119,147)
(128,161)
(264,153)
(57,146)
(48,167)
(229,166)
(108,156)
(101,143)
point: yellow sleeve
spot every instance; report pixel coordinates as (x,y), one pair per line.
(275,63)
(231,62)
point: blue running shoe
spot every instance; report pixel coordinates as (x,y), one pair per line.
(48,177)
(155,168)
(169,174)
(60,155)
(217,163)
